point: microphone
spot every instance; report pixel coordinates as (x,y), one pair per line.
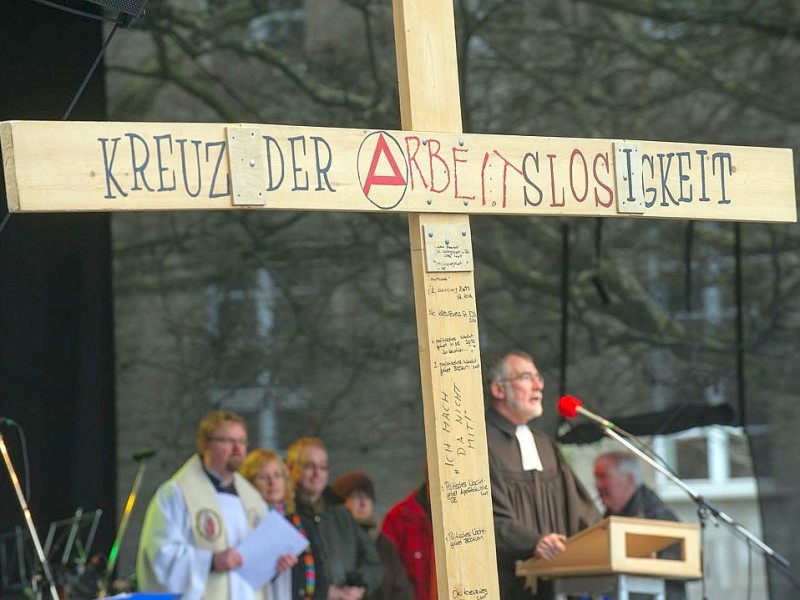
(7,421)
(570,407)
(143,453)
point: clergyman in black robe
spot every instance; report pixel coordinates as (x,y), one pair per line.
(538,501)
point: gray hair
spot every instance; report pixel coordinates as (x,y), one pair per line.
(624,462)
(498,369)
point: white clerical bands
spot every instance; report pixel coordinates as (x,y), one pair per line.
(527,449)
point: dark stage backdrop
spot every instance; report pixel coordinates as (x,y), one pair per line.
(56,333)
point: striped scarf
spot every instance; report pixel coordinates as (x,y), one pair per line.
(308,559)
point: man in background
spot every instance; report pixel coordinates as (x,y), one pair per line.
(196,519)
(619,483)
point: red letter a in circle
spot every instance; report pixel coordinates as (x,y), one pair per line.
(372,178)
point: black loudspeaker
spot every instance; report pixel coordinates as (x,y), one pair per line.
(132,8)
(127,11)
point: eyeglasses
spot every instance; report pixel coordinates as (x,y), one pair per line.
(269,476)
(310,466)
(527,377)
(229,440)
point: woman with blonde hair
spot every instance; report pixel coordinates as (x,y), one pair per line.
(266,470)
(269,475)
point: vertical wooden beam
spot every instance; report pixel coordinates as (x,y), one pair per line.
(447,327)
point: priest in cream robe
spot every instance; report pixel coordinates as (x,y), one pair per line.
(537,500)
(197,518)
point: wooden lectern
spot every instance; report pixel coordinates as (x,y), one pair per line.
(622,547)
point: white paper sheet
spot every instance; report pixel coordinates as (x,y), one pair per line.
(261,549)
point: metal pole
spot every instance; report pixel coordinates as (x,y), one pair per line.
(28,520)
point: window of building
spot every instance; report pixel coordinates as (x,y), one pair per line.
(714,461)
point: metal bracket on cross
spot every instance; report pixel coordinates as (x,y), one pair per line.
(630,186)
(247,163)
(447,248)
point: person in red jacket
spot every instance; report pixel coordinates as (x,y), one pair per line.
(408,526)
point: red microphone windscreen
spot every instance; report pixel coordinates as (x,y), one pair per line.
(568,406)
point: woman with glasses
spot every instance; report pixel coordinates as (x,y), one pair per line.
(270,476)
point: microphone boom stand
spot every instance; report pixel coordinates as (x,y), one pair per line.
(28,520)
(141,457)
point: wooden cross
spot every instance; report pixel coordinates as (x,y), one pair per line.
(439,176)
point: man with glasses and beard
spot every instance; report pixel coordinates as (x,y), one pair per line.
(537,500)
(196,519)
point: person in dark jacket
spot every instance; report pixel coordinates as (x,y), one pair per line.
(346,561)
(357,491)
(619,483)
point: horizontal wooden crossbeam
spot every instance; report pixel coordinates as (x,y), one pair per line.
(105,166)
